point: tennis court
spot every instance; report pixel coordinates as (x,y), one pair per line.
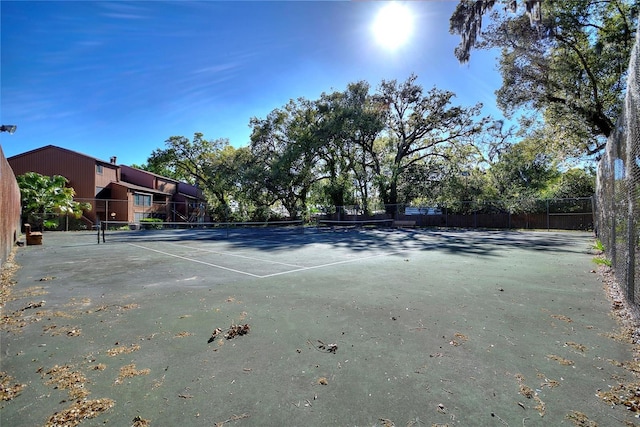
(346,326)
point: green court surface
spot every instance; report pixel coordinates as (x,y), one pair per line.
(349,327)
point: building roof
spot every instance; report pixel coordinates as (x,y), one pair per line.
(139,188)
(46,147)
(151,173)
(190,196)
(182,185)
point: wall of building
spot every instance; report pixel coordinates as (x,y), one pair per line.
(49,161)
(137,177)
(148,179)
(119,203)
(190,190)
(9,208)
(79,169)
(89,176)
(108,175)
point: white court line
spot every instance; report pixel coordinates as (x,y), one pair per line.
(329,264)
(266,275)
(195,260)
(238,256)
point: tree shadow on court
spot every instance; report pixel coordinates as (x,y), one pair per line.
(459,241)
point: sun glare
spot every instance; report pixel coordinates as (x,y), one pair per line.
(393,25)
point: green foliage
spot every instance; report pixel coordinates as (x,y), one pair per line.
(151,223)
(42,196)
(349,124)
(286,147)
(523,171)
(572,183)
(598,245)
(602,261)
(216,167)
(401,144)
(568,62)
(421,125)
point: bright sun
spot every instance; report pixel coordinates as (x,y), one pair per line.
(393,25)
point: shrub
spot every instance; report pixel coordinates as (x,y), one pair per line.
(151,224)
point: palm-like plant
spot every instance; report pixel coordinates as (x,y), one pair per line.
(43,195)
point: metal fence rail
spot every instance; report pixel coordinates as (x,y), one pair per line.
(618,190)
(556,214)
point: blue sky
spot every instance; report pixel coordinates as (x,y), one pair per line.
(119,78)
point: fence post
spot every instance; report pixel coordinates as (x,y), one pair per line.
(632,238)
(446,217)
(106,214)
(612,183)
(548,224)
(631,249)
(594,215)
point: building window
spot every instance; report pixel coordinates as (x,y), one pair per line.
(99,169)
(142,199)
(137,216)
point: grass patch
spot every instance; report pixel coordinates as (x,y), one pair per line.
(598,246)
(602,261)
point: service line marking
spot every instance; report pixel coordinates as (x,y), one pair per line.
(330,264)
(265,275)
(195,260)
(238,256)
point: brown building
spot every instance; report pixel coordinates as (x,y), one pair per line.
(185,204)
(116,192)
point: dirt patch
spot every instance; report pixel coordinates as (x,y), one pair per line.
(182,334)
(79,411)
(581,348)
(140,422)
(560,360)
(562,317)
(123,350)
(458,339)
(625,393)
(9,269)
(529,393)
(232,418)
(580,419)
(65,378)
(130,371)
(9,389)
(233,331)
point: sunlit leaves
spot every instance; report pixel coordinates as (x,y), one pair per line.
(421,125)
(42,196)
(570,66)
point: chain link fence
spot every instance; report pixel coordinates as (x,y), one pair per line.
(549,214)
(618,189)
